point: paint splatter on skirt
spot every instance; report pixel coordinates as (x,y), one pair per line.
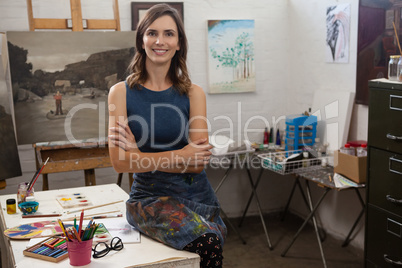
(174,209)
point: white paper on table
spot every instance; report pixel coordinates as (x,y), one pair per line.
(34,241)
(342,182)
(121,228)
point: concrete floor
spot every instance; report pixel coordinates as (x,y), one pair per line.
(303,253)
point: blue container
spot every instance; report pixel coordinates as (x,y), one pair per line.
(301,131)
(29,207)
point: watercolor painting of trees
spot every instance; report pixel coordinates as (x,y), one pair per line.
(231,56)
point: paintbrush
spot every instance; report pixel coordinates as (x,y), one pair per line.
(37,175)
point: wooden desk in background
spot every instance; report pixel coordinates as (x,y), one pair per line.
(65,156)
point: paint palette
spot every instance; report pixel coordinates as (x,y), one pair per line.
(73,200)
(36,229)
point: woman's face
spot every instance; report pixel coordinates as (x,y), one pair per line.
(161,40)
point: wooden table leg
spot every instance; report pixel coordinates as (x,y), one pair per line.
(119,178)
(45,183)
(3,184)
(90,177)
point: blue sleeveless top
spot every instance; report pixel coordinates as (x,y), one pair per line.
(173,208)
(158,119)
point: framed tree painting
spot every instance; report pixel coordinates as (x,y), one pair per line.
(138,10)
(231,66)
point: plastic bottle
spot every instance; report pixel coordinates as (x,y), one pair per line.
(362,150)
(317,147)
(278,138)
(347,149)
(266,136)
(271,135)
(305,159)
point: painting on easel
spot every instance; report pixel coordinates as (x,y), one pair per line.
(231,56)
(61,81)
(9,160)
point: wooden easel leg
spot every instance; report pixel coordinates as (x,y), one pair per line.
(3,184)
(45,184)
(90,177)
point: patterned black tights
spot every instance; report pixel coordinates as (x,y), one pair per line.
(208,246)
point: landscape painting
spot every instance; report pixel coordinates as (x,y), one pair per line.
(61,80)
(231,56)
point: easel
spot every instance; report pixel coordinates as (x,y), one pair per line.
(78,158)
(76,23)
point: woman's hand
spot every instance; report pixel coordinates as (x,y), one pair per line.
(123,137)
(196,153)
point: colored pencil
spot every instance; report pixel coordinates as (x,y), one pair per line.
(62,227)
(80,225)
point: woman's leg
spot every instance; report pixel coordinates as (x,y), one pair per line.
(209,247)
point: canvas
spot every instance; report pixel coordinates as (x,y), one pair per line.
(9,159)
(61,82)
(231,56)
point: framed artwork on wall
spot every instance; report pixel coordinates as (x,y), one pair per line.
(338,28)
(231,59)
(138,10)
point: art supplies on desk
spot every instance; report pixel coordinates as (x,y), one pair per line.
(53,249)
(79,240)
(73,200)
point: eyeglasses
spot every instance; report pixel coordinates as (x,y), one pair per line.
(102,249)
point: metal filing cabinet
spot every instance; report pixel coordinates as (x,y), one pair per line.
(383,237)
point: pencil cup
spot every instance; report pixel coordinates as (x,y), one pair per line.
(22,192)
(79,253)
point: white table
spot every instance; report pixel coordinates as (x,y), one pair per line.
(147,253)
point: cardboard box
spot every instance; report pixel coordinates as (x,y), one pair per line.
(350,166)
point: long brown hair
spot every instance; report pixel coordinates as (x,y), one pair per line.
(178,72)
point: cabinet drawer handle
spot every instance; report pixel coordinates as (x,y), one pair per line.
(388,260)
(392,137)
(397,164)
(393,200)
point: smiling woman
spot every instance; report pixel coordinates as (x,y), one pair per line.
(158,131)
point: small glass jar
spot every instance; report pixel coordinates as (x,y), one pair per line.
(399,69)
(393,67)
(22,192)
(11,207)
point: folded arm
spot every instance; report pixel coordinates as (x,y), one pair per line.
(125,155)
